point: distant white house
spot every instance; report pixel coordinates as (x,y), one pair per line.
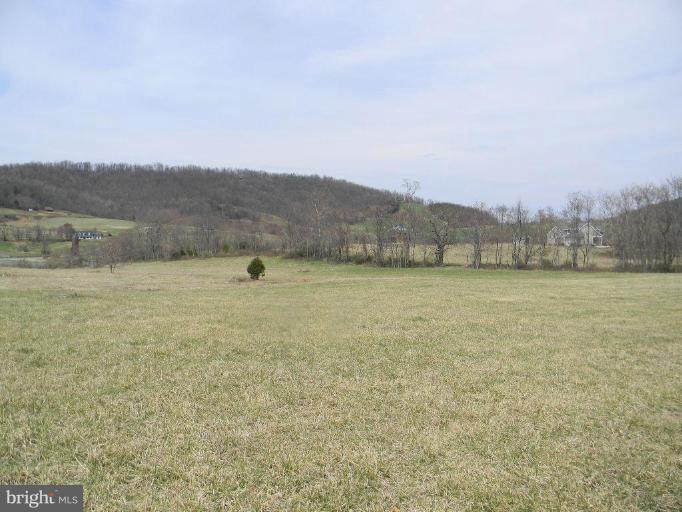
(400,233)
(585,235)
(89,235)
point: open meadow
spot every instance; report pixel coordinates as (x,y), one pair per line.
(182,386)
(56,219)
(13,219)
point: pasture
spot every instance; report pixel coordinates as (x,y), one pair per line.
(49,221)
(56,219)
(181,386)
(460,254)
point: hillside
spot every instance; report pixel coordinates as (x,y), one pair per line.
(187,194)
(173,193)
(465,216)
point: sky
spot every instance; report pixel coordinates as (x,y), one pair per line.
(477,100)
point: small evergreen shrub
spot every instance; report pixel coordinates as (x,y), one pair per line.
(256,268)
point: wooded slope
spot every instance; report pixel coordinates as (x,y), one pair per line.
(170,194)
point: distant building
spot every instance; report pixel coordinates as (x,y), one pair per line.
(400,233)
(89,235)
(585,235)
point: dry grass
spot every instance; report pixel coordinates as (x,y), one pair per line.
(461,254)
(174,386)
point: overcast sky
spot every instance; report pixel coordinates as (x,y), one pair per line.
(478,101)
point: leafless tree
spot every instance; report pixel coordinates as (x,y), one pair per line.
(66,231)
(669,220)
(477,236)
(644,224)
(573,212)
(588,203)
(499,231)
(618,209)
(441,225)
(75,249)
(380,229)
(520,238)
(545,220)
(111,253)
(410,219)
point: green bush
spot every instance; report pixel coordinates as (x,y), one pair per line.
(256,268)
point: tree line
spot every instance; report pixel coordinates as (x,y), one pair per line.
(35,233)
(641,226)
(156,241)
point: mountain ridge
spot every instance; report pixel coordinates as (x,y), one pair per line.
(180,193)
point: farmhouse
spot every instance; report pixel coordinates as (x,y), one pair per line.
(587,234)
(89,235)
(400,233)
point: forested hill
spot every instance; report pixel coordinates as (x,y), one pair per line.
(155,192)
(143,192)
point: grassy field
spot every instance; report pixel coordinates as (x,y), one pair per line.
(24,249)
(177,386)
(461,254)
(53,220)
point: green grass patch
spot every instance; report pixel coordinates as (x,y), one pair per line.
(53,220)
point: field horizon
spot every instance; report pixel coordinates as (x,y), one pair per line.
(184,385)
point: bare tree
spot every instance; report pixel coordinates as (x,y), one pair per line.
(66,231)
(573,213)
(617,209)
(478,234)
(410,219)
(668,220)
(318,225)
(75,248)
(380,231)
(675,186)
(545,220)
(643,238)
(111,253)
(520,238)
(441,223)
(499,231)
(645,224)
(588,204)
